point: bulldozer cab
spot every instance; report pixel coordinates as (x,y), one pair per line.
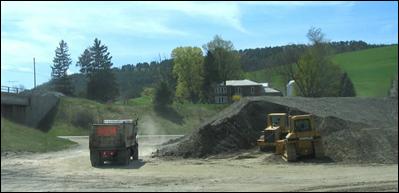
(277,119)
(302,126)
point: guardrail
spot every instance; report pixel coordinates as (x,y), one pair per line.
(8,89)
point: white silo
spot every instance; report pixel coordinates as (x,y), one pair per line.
(290,87)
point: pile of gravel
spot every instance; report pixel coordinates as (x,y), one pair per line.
(353,129)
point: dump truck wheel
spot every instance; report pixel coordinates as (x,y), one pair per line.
(136,152)
(123,157)
(290,152)
(95,158)
(318,149)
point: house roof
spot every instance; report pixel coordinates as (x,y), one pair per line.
(270,90)
(245,82)
(265,84)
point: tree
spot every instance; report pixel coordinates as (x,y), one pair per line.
(85,63)
(315,36)
(218,42)
(101,59)
(95,63)
(211,76)
(315,75)
(222,63)
(346,86)
(60,66)
(289,57)
(188,69)
(228,64)
(102,86)
(163,95)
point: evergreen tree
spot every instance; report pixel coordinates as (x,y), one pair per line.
(102,86)
(346,86)
(211,76)
(100,56)
(85,63)
(163,95)
(95,63)
(60,66)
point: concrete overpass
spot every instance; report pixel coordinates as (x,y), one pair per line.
(34,109)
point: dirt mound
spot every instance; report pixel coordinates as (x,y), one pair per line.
(353,129)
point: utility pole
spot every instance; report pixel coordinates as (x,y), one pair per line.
(34,73)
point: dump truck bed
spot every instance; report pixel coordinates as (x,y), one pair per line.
(113,134)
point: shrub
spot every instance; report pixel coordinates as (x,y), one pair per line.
(83,119)
(236,98)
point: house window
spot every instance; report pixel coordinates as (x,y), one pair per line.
(220,100)
(252,90)
(238,90)
(221,90)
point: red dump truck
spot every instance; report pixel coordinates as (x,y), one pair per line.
(113,140)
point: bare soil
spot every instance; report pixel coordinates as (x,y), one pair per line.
(248,170)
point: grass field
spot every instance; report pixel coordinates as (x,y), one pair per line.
(15,137)
(75,115)
(371,71)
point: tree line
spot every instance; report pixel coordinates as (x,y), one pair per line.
(260,58)
(187,76)
(191,72)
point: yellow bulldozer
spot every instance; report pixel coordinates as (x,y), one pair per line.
(276,130)
(295,137)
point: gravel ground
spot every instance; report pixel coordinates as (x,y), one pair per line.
(249,170)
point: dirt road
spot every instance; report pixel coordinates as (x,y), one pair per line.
(70,170)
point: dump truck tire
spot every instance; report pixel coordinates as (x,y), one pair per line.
(290,152)
(95,158)
(136,152)
(123,157)
(318,149)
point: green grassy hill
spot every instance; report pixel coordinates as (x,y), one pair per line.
(15,137)
(74,115)
(370,70)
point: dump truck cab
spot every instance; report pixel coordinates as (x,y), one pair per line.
(113,140)
(302,139)
(276,129)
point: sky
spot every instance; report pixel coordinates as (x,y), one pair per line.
(144,31)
